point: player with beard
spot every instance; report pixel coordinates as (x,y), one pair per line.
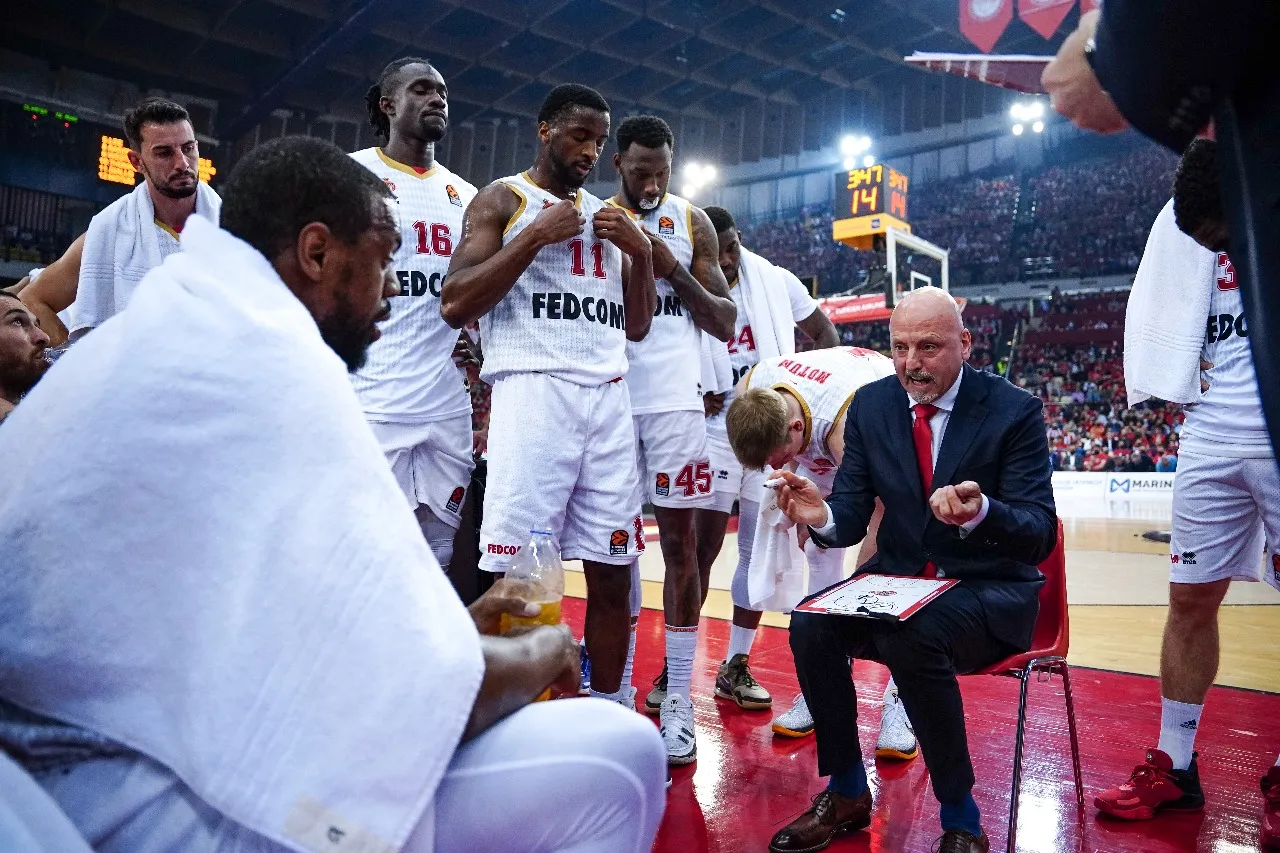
(163,148)
(411,392)
(22,352)
(666,401)
(560,282)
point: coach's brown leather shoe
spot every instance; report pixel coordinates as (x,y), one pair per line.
(960,841)
(830,815)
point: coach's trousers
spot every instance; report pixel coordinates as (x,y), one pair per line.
(924,654)
(577,776)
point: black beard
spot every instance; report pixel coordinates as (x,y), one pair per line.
(566,175)
(172,192)
(345,335)
(19,377)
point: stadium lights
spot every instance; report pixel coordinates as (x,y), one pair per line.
(697,176)
(1026,113)
(851,146)
(869,161)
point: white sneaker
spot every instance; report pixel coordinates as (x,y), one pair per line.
(676,723)
(897,738)
(627,698)
(797,722)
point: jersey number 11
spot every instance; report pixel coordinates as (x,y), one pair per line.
(597,255)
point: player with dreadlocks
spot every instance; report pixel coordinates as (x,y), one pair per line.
(411,392)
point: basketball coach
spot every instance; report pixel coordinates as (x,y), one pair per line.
(960,461)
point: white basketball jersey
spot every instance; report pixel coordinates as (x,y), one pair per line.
(1228,420)
(409,376)
(824,382)
(564,316)
(665,369)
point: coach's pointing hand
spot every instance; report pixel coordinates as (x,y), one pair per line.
(558,223)
(621,230)
(957,504)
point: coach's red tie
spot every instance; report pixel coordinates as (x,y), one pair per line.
(922,438)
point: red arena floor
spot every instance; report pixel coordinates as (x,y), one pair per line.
(748,784)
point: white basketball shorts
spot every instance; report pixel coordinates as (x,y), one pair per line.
(431,462)
(562,457)
(1226,518)
(672,462)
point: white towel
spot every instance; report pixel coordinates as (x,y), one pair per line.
(717,372)
(1165,317)
(120,248)
(776,574)
(207,559)
(768,305)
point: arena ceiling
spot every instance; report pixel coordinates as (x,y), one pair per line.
(700,58)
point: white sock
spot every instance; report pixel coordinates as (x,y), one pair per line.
(682,642)
(612,697)
(631,658)
(1178,724)
(740,640)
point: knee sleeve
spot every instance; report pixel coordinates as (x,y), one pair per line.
(826,566)
(439,536)
(747,513)
(637,594)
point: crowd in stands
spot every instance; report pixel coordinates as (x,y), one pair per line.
(1083,219)
(1089,425)
(1093,219)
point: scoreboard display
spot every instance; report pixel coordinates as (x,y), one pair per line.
(868,201)
(114,165)
(875,189)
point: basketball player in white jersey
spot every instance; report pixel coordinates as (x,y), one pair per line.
(410,389)
(560,282)
(164,149)
(731,481)
(664,378)
(790,411)
(1226,517)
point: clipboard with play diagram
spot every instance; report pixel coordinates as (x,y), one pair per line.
(891,598)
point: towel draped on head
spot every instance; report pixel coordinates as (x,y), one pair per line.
(208,560)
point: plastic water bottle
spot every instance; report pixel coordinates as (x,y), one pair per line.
(539,578)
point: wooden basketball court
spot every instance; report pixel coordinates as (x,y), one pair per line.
(747,784)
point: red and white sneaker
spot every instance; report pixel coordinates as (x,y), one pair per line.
(1269,825)
(1154,787)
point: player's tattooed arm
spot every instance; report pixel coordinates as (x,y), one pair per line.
(702,288)
(483,270)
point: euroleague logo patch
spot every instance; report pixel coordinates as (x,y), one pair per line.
(666,225)
(662,485)
(618,540)
(455,499)
(454,198)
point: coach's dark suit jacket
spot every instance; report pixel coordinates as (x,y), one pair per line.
(995,437)
(1171,65)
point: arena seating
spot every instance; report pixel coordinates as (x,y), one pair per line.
(1070,358)
(1083,219)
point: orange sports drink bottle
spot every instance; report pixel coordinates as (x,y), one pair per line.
(539,576)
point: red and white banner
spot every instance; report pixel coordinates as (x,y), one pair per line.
(984,21)
(861,309)
(855,309)
(1089,5)
(1044,16)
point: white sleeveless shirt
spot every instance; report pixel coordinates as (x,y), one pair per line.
(666,368)
(564,316)
(824,382)
(409,376)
